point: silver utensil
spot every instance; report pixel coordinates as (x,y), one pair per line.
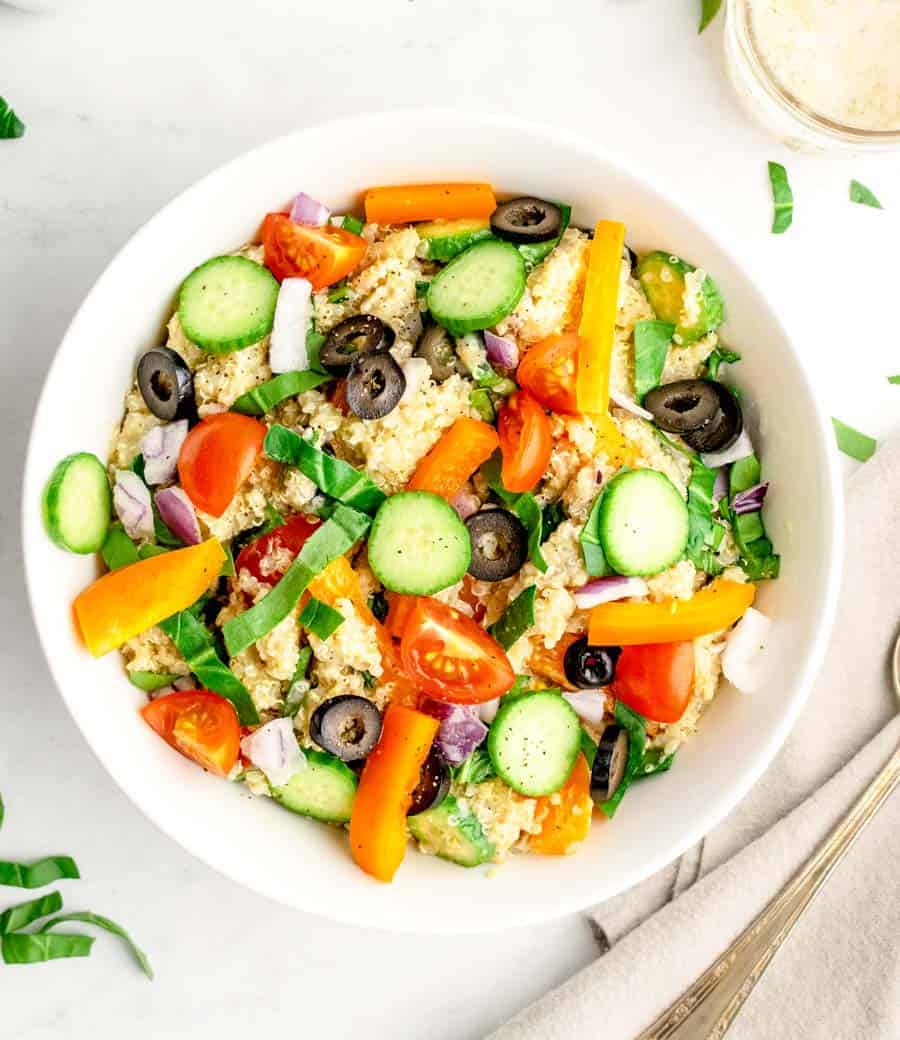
(706,1010)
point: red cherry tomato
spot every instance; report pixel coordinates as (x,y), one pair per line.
(200,725)
(217,457)
(323,255)
(656,680)
(525,442)
(549,370)
(270,555)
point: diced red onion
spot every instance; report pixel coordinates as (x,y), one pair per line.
(131,500)
(178,514)
(606,590)
(487,710)
(743,654)
(161,446)
(589,705)
(185,682)
(416,370)
(500,350)
(273,748)
(741,448)
(293,313)
(720,487)
(460,731)
(308,211)
(751,500)
(630,405)
(466,503)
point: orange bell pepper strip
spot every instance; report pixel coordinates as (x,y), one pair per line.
(598,317)
(400,606)
(408,202)
(568,814)
(460,451)
(128,601)
(717,606)
(389,777)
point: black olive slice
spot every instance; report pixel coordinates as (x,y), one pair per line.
(631,256)
(609,763)
(433,786)
(684,406)
(499,544)
(526,220)
(360,334)
(439,351)
(166,384)
(589,667)
(725,427)
(347,727)
(375,384)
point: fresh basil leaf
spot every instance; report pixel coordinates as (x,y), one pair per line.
(352,224)
(552,515)
(339,293)
(336,536)
(2,810)
(475,769)
(196,645)
(665,439)
(263,398)
(851,442)
(534,253)
(745,473)
(653,762)
(861,194)
(487,379)
(41,872)
(369,680)
(592,551)
(22,914)
(422,288)
(302,668)
(147,550)
(23,948)
(700,510)
(149,682)
(118,549)
(524,505)
(335,477)
(521,685)
(894,379)
(10,124)
(636,727)
(314,341)
(480,400)
(651,347)
(708,10)
(719,356)
(85,917)
(515,621)
(762,567)
(782,198)
(588,747)
(320,619)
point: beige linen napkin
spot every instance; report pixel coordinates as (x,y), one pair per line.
(838,975)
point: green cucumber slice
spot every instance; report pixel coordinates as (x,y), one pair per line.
(446,239)
(643,522)
(452,833)
(77,504)
(479,288)
(662,277)
(534,741)
(227,303)
(324,789)
(418,544)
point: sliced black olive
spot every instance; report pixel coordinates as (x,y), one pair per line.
(499,544)
(433,786)
(438,349)
(360,334)
(588,667)
(378,604)
(526,220)
(166,384)
(631,256)
(704,413)
(347,727)
(609,763)
(375,384)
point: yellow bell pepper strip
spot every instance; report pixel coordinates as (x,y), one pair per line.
(567,814)
(598,317)
(612,443)
(389,777)
(128,601)
(403,203)
(715,607)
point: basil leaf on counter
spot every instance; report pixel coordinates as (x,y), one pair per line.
(85,917)
(320,619)
(651,347)
(859,446)
(22,914)
(708,10)
(782,198)
(860,193)
(22,948)
(263,398)
(515,621)
(41,872)
(10,124)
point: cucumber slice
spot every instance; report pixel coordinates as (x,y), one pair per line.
(479,288)
(227,303)
(643,522)
(662,277)
(452,833)
(418,544)
(446,239)
(324,790)
(77,504)
(534,741)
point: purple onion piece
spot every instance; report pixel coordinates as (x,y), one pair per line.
(751,500)
(487,710)
(720,487)
(460,731)
(466,503)
(589,705)
(185,682)
(308,211)
(606,590)
(131,500)
(741,448)
(500,350)
(178,514)
(161,446)
(630,405)
(273,748)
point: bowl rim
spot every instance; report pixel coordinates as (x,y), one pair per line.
(703,822)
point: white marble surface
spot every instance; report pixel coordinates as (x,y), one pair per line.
(128,103)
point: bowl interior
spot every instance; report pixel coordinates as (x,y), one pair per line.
(305,864)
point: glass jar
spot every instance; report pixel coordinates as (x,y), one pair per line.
(819,74)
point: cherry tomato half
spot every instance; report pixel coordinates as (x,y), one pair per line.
(200,725)
(451,657)
(323,255)
(270,555)
(217,457)
(525,442)
(656,680)
(549,370)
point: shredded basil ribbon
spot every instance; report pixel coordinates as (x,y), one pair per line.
(515,621)
(782,198)
(857,445)
(480,400)
(118,549)
(22,914)
(266,396)
(702,536)
(320,619)
(335,477)
(757,559)
(108,925)
(24,948)
(651,346)
(708,10)
(534,252)
(524,505)
(636,728)
(894,379)
(352,224)
(588,747)
(150,682)
(196,646)
(10,124)
(861,194)
(37,874)
(335,537)
(719,356)
(594,558)
(475,769)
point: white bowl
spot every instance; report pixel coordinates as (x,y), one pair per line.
(302,863)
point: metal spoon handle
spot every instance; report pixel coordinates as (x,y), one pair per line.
(707,1009)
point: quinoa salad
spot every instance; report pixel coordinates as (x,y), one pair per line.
(439,523)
